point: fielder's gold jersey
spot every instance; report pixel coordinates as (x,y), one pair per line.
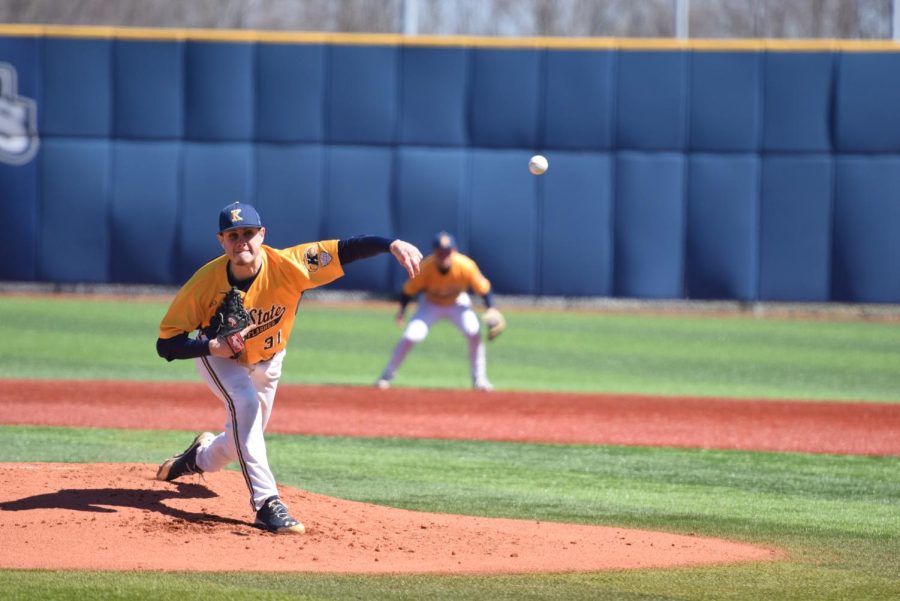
(272,299)
(443,288)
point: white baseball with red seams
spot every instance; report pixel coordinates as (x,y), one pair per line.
(538,164)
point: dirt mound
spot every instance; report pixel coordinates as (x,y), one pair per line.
(117,517)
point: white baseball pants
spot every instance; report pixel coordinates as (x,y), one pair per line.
(248,393)
(460,315)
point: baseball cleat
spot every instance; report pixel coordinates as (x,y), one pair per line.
(383,384)
(483,385)
(186,462)
(274,517)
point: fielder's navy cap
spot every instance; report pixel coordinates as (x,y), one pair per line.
(443,241)
(238,214)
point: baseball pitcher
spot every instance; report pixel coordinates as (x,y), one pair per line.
(242,306)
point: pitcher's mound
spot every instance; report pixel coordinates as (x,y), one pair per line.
(117,517)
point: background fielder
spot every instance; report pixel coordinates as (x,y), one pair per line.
(443,282)
(271,282)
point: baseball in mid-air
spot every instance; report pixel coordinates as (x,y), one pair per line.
(538,164)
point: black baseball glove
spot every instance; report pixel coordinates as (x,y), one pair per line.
(229,320)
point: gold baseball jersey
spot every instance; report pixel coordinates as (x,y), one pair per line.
(272,299)
(443,288)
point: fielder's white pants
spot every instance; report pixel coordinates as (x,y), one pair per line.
(248,393)
(460,315)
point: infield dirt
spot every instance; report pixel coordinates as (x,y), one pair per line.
(746,424)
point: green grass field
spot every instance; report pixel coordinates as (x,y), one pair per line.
(837,517)
(561,351)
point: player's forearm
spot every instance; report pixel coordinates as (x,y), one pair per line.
(404,301)
(181,347)
(488,299)
(361,247)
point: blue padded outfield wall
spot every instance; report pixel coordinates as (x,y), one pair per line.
(744,171)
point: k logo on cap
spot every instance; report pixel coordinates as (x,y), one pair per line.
(237,215)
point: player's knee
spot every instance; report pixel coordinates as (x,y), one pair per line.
(470,326)
(416,331)
(471,329)
(244,407)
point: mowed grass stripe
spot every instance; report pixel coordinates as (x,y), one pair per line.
(775,581)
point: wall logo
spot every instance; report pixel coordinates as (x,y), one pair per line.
(18,120)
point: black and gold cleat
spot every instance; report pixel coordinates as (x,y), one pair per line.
(274,517)
(186,462)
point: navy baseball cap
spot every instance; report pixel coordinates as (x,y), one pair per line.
(238,214)
(443,241)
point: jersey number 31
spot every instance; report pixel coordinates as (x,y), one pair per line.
(273,340)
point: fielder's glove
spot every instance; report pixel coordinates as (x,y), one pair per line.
(229,320)
(494,322)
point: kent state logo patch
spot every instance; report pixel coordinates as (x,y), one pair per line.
(314,259)
(18,120)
